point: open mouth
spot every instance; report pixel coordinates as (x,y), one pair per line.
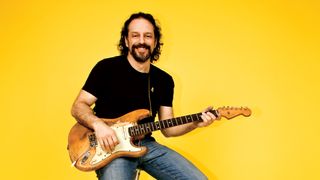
(142,49)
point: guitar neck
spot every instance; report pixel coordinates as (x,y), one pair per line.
(163,124)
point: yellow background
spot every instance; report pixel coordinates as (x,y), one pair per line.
(260,54)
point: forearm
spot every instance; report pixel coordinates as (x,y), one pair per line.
(179,130)
(84,114)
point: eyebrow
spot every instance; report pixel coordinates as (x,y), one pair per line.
(146,33)
(136,32)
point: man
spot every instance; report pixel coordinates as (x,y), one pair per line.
(128,82)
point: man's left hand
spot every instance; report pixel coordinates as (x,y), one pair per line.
(207,118)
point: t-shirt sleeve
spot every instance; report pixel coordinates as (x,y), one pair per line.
(168,91)
(93,82)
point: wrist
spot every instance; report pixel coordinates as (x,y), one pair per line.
(96,123)
(194,125)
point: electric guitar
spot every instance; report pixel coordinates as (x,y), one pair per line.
(86,153)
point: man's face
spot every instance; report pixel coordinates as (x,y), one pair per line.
(141,40)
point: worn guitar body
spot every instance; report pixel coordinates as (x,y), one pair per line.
(86,153)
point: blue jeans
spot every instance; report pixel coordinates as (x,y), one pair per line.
(160,162)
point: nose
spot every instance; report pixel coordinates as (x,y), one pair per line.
(141,40)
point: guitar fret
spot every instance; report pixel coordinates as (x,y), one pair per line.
(171,122)
(137,130)
(160,125)
(147,125)
(191,117)
(150,127)
(188,119)
(157,125)
(198,116)
(181,120)
(142,129)
(131,131)
(195,117)
(167,123)
(145,128)
(176,121)
(163,124)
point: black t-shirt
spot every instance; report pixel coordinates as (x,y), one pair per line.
(120,89)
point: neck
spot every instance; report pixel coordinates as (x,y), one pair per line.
(142,67)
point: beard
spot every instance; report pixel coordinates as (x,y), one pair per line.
(140,57)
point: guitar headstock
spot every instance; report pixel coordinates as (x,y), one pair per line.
(231,112)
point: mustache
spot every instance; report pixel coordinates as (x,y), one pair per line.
(141,46)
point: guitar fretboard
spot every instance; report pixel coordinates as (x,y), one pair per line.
(163,124)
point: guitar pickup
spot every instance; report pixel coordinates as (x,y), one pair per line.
(92,140)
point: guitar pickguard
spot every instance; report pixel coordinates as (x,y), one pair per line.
(124,145)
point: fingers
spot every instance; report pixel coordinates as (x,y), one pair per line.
(105,145)
(109,143)
(207,117)
(107,139)
(113,142)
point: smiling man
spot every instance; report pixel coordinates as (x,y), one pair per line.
(122,84)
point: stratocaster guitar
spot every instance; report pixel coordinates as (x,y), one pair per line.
(86,153)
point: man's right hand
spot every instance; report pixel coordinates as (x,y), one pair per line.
(105,136)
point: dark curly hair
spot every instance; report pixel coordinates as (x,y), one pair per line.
(157,32)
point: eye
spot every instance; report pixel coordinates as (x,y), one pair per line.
(148,36)
(134,35)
